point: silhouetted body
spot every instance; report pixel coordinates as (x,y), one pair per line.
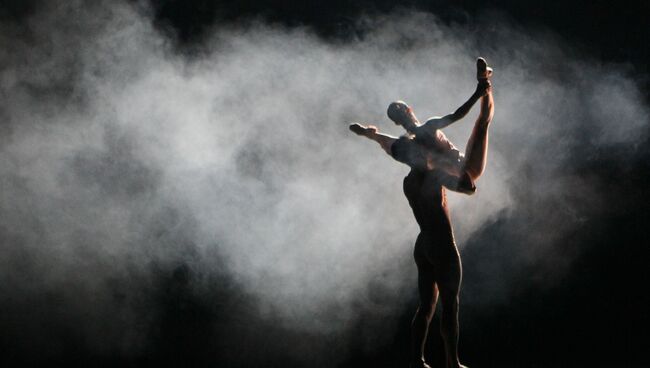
(436,165)
(437,260)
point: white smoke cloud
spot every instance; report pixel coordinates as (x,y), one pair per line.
(119,152)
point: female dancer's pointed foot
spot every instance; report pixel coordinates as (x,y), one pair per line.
(483,71)
(362,130)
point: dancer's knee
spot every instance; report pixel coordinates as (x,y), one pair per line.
(474,169)
(474,173)
(449,299)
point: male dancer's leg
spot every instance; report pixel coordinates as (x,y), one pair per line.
(428,292)
(448,279)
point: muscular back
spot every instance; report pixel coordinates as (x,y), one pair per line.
(428,200)
(407,151)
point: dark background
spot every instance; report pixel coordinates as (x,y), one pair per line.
(597,316)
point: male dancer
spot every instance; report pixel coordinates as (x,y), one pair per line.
(435,164)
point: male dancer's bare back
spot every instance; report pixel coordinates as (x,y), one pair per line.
(436,165)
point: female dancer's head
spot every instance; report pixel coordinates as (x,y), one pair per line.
(402,114)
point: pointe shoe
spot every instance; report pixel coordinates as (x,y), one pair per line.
(357,128)
(483,71)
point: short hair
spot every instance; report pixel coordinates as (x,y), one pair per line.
(396,110)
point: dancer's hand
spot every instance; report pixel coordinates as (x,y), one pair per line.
(483,88)
(362,130)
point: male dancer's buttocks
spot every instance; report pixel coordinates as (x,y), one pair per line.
(437,260)
(435,165)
